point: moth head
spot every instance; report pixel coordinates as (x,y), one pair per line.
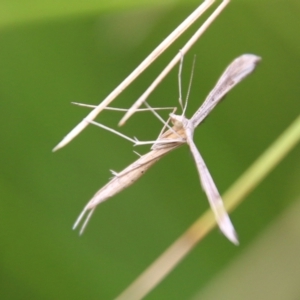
(177,120)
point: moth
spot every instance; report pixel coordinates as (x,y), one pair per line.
(180,133)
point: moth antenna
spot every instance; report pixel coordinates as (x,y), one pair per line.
(189,87)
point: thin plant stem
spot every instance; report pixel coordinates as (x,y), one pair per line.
(165,263)
(174,61)
(137,71)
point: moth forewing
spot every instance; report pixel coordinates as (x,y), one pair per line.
(234,73)
(211,191)
(132,173)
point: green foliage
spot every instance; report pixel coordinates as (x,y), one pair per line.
(53,53)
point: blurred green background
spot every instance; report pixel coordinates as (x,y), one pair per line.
(52,53)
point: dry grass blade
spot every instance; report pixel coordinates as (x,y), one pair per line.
(144,65)
(174,61)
